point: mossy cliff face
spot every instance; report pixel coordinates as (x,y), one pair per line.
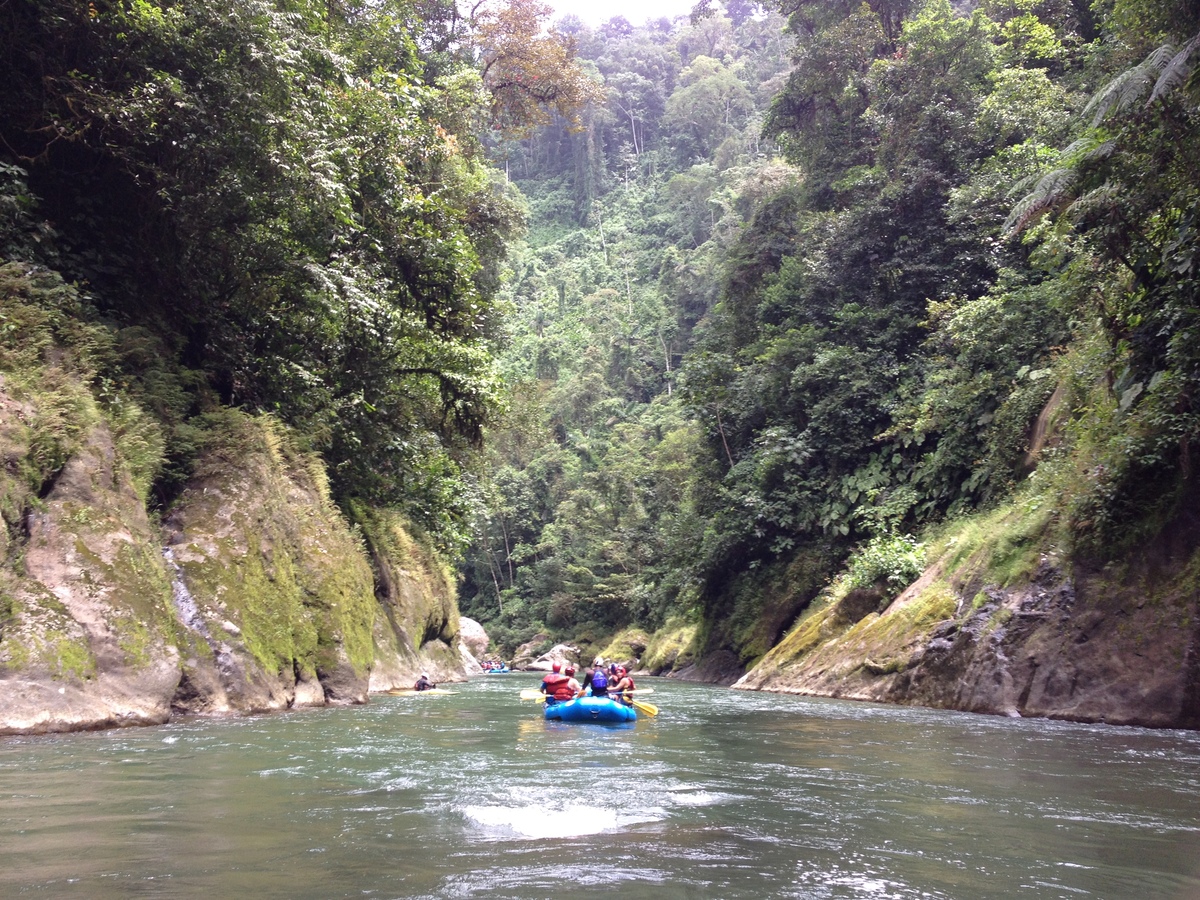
(274,590)
(1003,624)
(255,593)
(283,602)
(417,629)
(86,635)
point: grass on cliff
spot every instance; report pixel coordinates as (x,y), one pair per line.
(671,647)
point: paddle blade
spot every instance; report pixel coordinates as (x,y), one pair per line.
(648,708)
(532,694)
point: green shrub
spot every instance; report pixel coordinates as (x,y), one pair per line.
(892,561)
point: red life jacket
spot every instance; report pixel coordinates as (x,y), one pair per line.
(625,698)
(555,685)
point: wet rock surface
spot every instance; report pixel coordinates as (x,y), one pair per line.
(255,594)
(1097,646)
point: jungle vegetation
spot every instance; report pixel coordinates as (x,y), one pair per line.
(818,278)
(285,207)
(636,320)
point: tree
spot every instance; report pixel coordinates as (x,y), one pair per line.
(530,75)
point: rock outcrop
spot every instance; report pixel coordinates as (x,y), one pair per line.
(473,636)
(418,626)
(274,596)
(87,639)
(1094,644)
(560,653)
(254,595)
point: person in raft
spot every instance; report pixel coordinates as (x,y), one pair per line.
(555,685)
(598,679)
(589,671)
(624,686)
(574,686)
(424,684)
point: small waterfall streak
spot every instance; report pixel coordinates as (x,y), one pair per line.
(185,604)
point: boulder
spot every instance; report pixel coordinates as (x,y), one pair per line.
(473,636)
(563,653)
(525,655)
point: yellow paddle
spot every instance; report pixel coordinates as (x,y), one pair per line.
(648,708)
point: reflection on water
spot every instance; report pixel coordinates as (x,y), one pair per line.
(724,794)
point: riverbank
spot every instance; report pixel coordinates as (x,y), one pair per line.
(254,592)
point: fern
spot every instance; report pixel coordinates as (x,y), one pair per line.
(1160,73)
(1177,70)
(1049,193)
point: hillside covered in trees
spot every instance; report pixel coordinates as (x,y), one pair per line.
(837,347)
(250,254)
(825,294)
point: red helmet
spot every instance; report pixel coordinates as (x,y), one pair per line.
(570,670)
(557,667)
(621,670)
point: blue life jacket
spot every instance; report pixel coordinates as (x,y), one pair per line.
(599,683)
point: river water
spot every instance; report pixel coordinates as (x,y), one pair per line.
(725,794)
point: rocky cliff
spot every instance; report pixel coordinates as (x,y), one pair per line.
(254,593)
(1006,625)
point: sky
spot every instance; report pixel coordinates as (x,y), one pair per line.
(595,12)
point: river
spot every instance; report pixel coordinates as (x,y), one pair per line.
(725,794)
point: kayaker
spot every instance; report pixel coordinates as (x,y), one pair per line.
(623,686)
(555,685)
(424,684)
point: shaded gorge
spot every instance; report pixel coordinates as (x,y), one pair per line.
(725,794)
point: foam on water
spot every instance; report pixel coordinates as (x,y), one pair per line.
(537,822)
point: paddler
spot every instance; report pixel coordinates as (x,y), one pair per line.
(624,686)
(572,684)
(424,684)
(597,679)
(555,685)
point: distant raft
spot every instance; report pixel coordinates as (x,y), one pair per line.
(591,709)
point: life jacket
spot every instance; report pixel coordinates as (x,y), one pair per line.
(599,683)
(555,685)
(625,697)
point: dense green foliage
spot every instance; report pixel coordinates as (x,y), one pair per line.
(278,206)
(970,265)
(798,283)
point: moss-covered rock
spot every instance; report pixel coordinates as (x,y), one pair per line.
(1002,622)
(417,629)
(88,640)
(282,597)
(264,597)
(671,647)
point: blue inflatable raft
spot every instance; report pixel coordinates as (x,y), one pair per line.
(591,709)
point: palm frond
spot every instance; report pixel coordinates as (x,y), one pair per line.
(1097,200)
(1129,87)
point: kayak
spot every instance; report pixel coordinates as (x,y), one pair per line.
(591,709)
(409,692)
